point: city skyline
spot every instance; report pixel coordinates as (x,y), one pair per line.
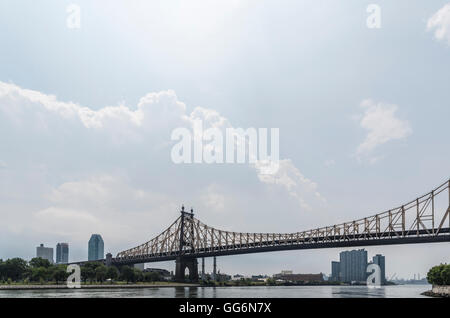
(96,252)
(86,116)
(282,270)
(376,259)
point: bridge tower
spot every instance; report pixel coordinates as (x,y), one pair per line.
(182,262)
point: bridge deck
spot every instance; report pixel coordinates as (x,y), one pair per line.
(392,238)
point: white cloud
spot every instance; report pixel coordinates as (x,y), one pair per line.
(109,171)
(154,117)
(298,186)
(380,120)
(31,109)
(77,224)
(287,177)
(440,23)
(3,165)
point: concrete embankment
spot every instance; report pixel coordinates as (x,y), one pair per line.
(103,286)
(438,291)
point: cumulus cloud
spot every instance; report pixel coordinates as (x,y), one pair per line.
(382,125)
(440,23)
(298,186)
(41,112)
(109,170)
(287,176)
(154,117)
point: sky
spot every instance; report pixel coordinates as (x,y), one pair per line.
(87,108)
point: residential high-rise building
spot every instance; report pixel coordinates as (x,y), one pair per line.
(335,269)
(95,248)
(380,261)
(62,253)
(45,252)
(353,266)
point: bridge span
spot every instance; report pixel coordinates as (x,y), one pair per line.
(423,220)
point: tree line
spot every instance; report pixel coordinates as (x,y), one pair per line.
(39,270)
(439,275)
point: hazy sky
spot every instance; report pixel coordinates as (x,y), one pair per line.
(86,116)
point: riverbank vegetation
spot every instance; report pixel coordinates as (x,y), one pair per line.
(439,275)
(41,271)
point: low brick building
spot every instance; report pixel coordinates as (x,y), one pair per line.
(300,278)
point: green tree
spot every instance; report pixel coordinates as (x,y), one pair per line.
(112,273)
(2,271)
(271,282)
(40,262)
(14,269)
(152,277)
(435,276)
(138,275)
(127,274)
(39,274)
(100,273)
(445,275)
(59,273)
(87,273)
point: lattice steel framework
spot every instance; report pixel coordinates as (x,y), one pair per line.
(189,237)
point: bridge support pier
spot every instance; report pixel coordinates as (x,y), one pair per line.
(214,277)
(108,259)
(181,263)
(203,269)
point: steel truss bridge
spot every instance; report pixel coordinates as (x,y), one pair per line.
(423,220)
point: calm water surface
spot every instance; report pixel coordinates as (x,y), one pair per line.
(409,291)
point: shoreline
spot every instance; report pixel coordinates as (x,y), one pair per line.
(102,286)
(438,291)
(167,285)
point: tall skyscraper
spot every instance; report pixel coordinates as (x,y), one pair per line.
(95,248)
(62,253)
(45,252)
(380,261)
(353,266)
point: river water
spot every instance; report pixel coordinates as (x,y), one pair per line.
(398,291)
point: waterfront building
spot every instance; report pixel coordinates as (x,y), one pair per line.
(380,261)
(95,248)
(45,253)
(62,253)
(298,278)
(353,266)
(287,272)
(335,269)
